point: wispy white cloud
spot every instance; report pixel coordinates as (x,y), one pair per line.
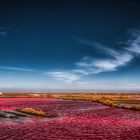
(92,65)
(80,71)
(119,58)
(3,33)
(134,42)
(97,45)
(64,75)
(4,30)
(16,69)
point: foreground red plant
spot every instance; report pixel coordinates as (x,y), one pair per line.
(77,120)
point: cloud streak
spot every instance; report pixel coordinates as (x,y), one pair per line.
(134,42)
(4,30)
(114,59)
(3,33)
(64,75)
(119,58)
(94,66)
(16,69)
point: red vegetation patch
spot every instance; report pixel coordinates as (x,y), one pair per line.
(78,120)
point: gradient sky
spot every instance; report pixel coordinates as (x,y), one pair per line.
(70,44)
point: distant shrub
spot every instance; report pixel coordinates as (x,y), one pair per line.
(122,106)
(107,102)
(135,107)
(114,105)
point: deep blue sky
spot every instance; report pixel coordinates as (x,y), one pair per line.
(73,44)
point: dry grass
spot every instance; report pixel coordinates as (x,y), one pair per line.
(31,111)
(124,101)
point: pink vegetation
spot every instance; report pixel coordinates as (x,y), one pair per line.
(78,120)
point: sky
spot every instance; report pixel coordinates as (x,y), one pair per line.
(70,45)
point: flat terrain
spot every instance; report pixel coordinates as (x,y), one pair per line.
(77,120)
